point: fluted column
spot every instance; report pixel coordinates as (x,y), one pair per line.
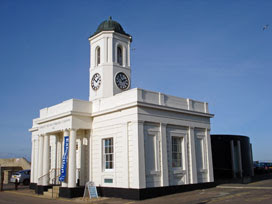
(59,153)
(40,166)
(36,161)
(46,160)
(53,158)
(72,159)
(32,161)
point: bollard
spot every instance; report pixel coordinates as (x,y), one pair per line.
(16,184)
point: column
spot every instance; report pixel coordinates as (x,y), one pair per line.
(59,153)
(82,162)
(65,183)
(32,161)
(40,166)
(54,159)
(192,156)
(46,160)
(72,159)
(36,160)
(164,159)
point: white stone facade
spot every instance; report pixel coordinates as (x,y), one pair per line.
(130,138)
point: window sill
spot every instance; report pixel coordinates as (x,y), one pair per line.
(154,173)
(202,170)
(179,171)
(108,171)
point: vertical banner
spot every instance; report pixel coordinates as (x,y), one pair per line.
(64,159)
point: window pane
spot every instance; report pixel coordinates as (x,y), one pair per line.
(176,152)
(108,153)
(98,55)
(119,56)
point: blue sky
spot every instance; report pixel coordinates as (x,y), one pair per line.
(214,51)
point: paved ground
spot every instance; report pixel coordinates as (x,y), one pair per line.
(257,192)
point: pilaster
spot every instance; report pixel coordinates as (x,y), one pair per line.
(141,154)
(164,160)
(192,156)
(209,156)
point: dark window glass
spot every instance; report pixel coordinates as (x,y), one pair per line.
(98,55)
(119,55)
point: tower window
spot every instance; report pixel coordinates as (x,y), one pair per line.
(97,56)
(119,55)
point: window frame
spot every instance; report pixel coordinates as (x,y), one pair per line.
(180,152)
(97,56)
(105,154)
(184,158)
(120,47)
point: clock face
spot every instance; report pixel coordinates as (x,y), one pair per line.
(122,81)
(96,81)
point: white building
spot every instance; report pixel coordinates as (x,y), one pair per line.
(124,140)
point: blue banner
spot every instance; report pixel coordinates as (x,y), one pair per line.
(64,159)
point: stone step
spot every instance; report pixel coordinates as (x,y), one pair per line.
(56,187)
(50,195)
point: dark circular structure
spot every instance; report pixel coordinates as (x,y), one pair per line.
(110,25)
(232,156)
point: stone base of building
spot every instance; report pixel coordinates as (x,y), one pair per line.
(134,194)
(40,189)
(32,186)
(66,192)
(145,193)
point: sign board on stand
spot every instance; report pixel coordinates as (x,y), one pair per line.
(91,189)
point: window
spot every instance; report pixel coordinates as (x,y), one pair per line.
(176,152)
(119,56)
(108,153)
(97,56)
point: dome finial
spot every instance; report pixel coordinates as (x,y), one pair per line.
(110,18)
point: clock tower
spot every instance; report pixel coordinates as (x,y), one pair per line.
(109,60)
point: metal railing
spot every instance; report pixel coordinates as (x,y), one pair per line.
(52,176)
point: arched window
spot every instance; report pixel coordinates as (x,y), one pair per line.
(97,56)
(119,55)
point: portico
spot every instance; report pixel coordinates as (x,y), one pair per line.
(49,132)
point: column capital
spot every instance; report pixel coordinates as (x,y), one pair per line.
(163,124)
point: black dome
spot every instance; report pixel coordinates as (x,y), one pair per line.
(110,25)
